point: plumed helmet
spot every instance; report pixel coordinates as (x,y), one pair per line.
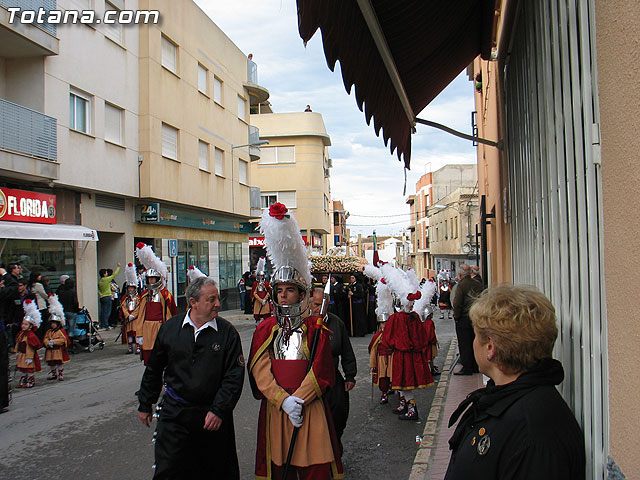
(56,312)
(130,275)
(261,267)
(151,262)
(31,313)
(194,273)
(288,255)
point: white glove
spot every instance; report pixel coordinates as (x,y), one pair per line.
(131,317)
(51,342)
(29,361)
(264,301)
(292,406)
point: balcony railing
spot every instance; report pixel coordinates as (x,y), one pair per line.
(252,71)
(254,134)
(35,5)
(27,131)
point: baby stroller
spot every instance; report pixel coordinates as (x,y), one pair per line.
(85,336)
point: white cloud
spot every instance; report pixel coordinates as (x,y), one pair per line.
(365,175)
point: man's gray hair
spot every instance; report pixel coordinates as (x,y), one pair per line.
(194,290)
(475,269)
(464,270)
(317,290)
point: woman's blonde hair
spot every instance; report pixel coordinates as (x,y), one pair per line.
(522,322)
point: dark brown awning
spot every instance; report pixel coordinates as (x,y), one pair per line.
(429,41)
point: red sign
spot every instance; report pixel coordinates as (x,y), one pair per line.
(256,241)
(24,206)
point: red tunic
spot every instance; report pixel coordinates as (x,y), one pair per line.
(406,336)
(27,344)
(289,378)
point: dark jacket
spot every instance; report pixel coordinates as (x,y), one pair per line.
(467,290)
(208,373)
(68,299)
(519,431)
(341,349)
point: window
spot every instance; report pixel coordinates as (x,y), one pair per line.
(219,162)
(169,142)
(169,55)
(270,155)
(114,27)
(242,171)
(242,108)
(203,155)
(217,90)
(79,112)
(112,123)
(202,79)
(455,227)
(326,204)
(446,229)
(269,198)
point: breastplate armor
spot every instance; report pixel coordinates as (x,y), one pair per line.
(288,345)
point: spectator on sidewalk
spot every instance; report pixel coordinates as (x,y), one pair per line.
(63,278)
(69,300)
(242,291)
(518,426)
(466,293)
(37,289)
(104,291)
(15,313)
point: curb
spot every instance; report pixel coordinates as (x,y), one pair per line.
(429,442)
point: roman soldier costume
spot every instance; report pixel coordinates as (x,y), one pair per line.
(406,337)
(261,293)
(130,308)
(279,370)
(156,303)
(27,345)
(56,341)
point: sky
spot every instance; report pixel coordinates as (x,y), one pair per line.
(365,175)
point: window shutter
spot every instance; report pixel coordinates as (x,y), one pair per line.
(219,162)
(288,198)
(169,55)
(112,123)
(169,142)
(202,79)
(217,90)
(203,154)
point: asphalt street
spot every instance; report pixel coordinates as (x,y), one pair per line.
(87,427)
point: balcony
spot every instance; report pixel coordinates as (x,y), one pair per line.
(28,143)
(22,40)
(254,137)
(257,94)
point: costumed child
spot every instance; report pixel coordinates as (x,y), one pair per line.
(27,344)
(56,341)
(380,357)
(261,293)
(406,337)
(130,307)
(422,307)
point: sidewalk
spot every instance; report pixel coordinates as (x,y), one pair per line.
(432,458)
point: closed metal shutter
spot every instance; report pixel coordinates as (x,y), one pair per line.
(551,103)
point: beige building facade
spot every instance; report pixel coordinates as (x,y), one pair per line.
(196,88)
(559,94)
(294,169)
(71,134)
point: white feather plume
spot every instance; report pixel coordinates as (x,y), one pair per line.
(150,260)
(194,273)
(55,308)
(262,265)
(130,276)
(413,279)
(284,244)
(385,300)
(372,272)
(400,283)
(426,290)
(31,313)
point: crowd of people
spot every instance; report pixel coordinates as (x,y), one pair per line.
(301,363)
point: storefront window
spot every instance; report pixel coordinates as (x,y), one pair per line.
(50,257)
(190,252)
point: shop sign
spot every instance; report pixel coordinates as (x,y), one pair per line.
(256,241)
(25,206)
(150,212)
(316,241)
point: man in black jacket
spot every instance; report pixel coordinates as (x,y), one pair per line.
(342,353)
(467,291)
(199,357)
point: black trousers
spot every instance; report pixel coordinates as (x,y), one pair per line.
(338,401)
(185,451)
(4,371)
(465,334)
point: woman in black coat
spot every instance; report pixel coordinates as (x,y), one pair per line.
(518,426)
